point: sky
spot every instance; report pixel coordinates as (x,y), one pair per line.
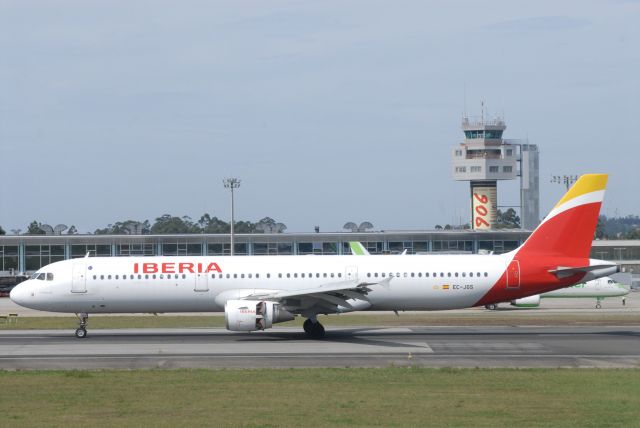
(328,111)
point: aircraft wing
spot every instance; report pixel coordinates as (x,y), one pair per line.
(330,296)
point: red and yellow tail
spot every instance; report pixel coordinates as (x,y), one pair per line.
(569,228)
(556,254)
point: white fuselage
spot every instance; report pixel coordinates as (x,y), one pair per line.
(597,288)
(183,284)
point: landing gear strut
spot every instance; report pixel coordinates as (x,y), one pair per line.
(81,332)
(313,328)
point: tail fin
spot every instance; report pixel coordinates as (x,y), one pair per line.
(569,228)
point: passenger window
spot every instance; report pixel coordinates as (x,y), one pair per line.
(184,276)
(368,274)
(302,275)
(49,276)
(146,277)
(420,274)
(413,274)
(235,275)
(268,275)
(318,275)
(95,277)
(331,274)
(219,276)
(101,277)
(382,274)
(471,274)
(139,276)
(228,276)
(464,274)
(295,275)
(478,274)
(339,275)
(375,274)
(324,275)
(288,275)
(242,275)
(117,277)
(213,276)
(154,276)
(486,274)
(441,274)
(109,277)
(456,274)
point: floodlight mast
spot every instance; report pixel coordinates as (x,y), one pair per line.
(231,183)
(567,180)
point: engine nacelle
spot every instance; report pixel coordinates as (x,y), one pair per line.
(251,315)
(527,302)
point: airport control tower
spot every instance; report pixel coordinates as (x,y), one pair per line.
(483,158)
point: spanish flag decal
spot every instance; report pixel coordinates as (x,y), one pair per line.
(445,287)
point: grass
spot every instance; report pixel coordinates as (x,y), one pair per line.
(472,317)
(322,397)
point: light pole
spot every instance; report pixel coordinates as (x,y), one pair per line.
(231,183)
(568,180)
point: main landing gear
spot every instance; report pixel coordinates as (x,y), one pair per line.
(81,332)
(491,306)
(313,328)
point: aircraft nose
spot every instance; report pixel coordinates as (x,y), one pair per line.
(18,294)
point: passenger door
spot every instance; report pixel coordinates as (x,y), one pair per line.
(513,274)
(202,282)
(78,277)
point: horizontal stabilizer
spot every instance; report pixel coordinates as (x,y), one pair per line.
(563,272)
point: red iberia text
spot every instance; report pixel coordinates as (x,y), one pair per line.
(182,267)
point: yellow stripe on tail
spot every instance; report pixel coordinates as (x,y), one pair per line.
(586,184)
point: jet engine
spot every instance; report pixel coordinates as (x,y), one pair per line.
(527,302)
(251,315)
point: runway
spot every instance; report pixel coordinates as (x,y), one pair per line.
(511,346)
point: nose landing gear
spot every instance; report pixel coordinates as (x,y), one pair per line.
(81,331)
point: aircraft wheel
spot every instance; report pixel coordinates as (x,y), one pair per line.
(491,307)
(81,333)
(598,306)
(317,331)
(307,326)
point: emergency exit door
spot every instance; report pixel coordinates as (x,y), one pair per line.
(351,273)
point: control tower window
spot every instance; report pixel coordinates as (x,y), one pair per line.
(493,134)
(507,169)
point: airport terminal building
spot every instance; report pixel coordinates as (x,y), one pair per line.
(26,254)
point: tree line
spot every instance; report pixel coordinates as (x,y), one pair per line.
(168,224)
(608,227)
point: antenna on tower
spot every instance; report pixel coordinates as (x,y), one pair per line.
(482,111)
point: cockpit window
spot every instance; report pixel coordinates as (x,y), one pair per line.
(34,275)
(49,276)
(41,276)
(611,281)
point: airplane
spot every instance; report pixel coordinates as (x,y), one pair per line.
(255,292)
(597,288)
